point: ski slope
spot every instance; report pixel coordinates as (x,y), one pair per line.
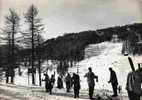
(98,56)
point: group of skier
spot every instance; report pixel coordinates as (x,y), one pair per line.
(74,81)
(49,82)
(91,82)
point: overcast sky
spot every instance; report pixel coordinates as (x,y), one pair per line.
(65,16)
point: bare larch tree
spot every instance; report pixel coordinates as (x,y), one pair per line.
(31,35)
(10,31)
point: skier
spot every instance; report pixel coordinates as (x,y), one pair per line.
(51,83)
(60,82)
(133,85)
(76,84)
(46,79)
(91,83)
(114,82)
(68,82)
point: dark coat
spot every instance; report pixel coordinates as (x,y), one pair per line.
(76,81)
(90,78)
(59,83)
(113,78)
(51,82)
(134,80)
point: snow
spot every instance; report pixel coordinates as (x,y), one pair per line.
(98,56)
(17,92)
(108,55)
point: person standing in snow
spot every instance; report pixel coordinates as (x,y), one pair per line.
(76,84)
(114,82)
(91,83)
(68,82)
(51,83)
(46,79)
(133,85)
(60,82)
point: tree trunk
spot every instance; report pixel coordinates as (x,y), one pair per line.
(13,55)
(33,77)
(39,71)
(39,63)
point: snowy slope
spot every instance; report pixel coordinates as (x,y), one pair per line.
(108,55)
(100,57)
(16,92)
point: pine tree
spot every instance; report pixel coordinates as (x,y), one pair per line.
(35,28)
(10,31)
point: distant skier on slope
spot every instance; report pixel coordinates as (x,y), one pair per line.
(91,83)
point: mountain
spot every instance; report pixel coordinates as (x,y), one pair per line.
(71,46)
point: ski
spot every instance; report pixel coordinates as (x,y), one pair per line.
(131,63)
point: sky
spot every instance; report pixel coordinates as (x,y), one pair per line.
(66,16)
